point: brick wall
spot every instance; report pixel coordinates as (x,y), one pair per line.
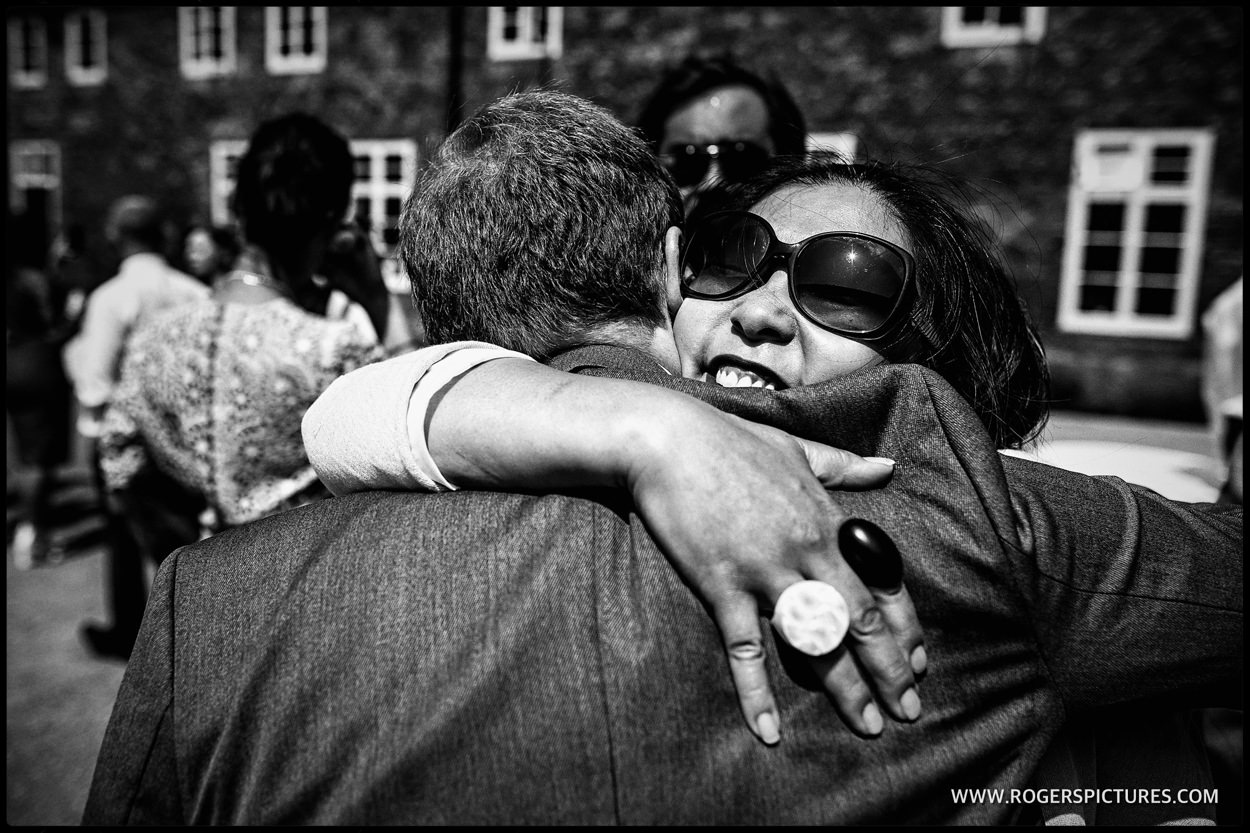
(1003,118)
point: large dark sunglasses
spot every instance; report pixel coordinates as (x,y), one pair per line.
(848,283)
(737,161)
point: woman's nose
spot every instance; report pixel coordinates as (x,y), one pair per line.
(714,173)
(765,313)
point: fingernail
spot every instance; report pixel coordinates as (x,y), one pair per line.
(919,660)
(873,722)
(885,461)
(910,704)
(766,723)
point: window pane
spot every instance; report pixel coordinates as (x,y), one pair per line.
(1101,259)
(974,14)
(309,39)
(1171,164)
(1160,260)
(1097,298)
(510,31)
(390,235)
(393,208)
(1155,301)
(196,24)
(27,47)
(80,49)
(217,48)
(394,168)
(1165,218)
(1106,216)
(362,167)
(1010,15)
(284,31)
(363,207)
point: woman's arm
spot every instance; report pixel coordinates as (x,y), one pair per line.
(735,506)
(367,429)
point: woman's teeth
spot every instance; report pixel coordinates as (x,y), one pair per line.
(732,377)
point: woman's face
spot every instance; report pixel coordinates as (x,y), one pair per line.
(200,252)
(760,339)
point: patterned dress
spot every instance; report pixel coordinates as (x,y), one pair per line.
(213,395)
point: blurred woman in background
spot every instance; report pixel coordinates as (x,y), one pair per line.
(208,252)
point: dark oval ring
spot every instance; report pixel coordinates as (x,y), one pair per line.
(871,554)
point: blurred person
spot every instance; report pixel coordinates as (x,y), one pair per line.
(37,392)
(212,393)
(1223,377)
(711,120)
(487,657)
(1223,380)
(209,251)
(71,271)
(144,285)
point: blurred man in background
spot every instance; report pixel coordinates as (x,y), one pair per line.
(711,120)
(144,284)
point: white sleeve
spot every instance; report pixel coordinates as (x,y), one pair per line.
(359,435)
(440,374)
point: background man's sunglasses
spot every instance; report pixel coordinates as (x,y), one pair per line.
(848,283)
(737,161)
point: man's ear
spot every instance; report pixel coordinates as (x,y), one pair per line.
(672,269)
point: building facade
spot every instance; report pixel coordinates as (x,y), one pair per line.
(1103,144)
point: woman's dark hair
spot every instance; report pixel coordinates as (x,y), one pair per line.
(294,182)
(968,321)
(695,76)
(226,241)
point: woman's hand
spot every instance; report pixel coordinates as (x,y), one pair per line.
(742,512)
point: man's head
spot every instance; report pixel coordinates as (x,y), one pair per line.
(540,224)
(710,119)
(134,224)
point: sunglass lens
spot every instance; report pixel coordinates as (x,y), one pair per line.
(741,160)
(849,284)
(724,255)
(687,164)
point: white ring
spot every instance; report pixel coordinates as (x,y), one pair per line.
(812,616)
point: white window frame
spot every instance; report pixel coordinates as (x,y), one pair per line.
(956,34)
(847,144)
(47,176)
(193,31)
(375,187)
(75,71)
(223,154)
(1126,178)
(297,63)
(524,47)
(38,45)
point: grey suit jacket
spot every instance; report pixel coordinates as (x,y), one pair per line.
(499,658)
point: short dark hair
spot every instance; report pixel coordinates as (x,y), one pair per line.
(538,222)
(696,75)
(968,321)
(293,185)
(136,219)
